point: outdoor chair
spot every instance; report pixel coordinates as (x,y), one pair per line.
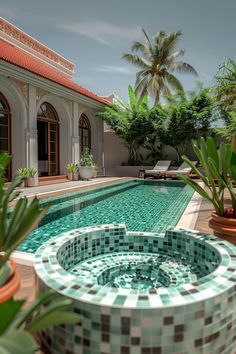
(159,169)
(183,169)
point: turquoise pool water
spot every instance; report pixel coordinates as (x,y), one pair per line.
(148,206)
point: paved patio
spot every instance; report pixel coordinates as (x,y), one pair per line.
(43,191)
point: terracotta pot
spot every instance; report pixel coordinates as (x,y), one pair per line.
(8,290)
(31,182)
(75,176)
(70,176)
(224,226)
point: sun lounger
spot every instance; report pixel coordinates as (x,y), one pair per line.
(159,169)
(183,169)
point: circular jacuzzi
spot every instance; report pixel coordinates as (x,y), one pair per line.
(142,293)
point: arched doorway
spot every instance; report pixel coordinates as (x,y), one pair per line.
(48,140)
(84,133)
(5,129)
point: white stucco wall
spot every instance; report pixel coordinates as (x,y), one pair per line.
(24,126)
(18,122)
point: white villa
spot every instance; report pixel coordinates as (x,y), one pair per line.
(46,119)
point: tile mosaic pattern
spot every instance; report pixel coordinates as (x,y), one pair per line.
(148,206)
(190,318)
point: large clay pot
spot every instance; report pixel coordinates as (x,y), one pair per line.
(86,172)
(70,176)
(224,226)
(75,176)
(8,290)
(31,182)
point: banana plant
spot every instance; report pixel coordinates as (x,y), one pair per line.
(218,172)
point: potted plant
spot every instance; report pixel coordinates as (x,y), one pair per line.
(23,172)
(72,172)
(218,173)
(19,326)
(31,180)
(86,169)
(95,170)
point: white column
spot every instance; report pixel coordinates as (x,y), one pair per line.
(32,134)
(101,144)
(75,134)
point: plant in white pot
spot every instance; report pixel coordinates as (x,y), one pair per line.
(23,172)
(72,171)
(95,170)
(31,177)
(86,165)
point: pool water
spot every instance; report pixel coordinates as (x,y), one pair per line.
(137,270)
(148,206)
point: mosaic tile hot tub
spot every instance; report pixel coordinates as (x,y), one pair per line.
(142,293)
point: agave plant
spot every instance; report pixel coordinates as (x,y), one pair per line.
(218,173)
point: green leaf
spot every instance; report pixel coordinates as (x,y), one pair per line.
(233,166)
(42,299)
(195,186)
(212,151)
(55,318)
(17,342)
(9,310)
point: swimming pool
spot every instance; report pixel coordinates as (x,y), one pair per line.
(148,206)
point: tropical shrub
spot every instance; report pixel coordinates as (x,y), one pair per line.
(225,88)
(131,122)
(189,117)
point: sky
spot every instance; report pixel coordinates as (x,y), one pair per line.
(94,34)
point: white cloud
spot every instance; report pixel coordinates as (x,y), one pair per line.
(103,32)
(114,69)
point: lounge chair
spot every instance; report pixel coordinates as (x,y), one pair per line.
(184,169)
(159,169)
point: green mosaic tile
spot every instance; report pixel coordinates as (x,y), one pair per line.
(149,206)
(192,312)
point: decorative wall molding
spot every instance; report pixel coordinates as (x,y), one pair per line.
(9,31)
(23,88)
(39,94)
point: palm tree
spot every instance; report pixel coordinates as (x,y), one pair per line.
(157,64)
(225,88)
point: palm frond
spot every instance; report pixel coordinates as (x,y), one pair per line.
(141,86)
(136,60)
(172,57)
(174,82)
(182,68)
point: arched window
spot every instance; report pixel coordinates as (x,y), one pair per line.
(5,129)
(48,140)
(84,133)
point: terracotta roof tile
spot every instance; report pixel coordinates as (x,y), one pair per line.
(18,57)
